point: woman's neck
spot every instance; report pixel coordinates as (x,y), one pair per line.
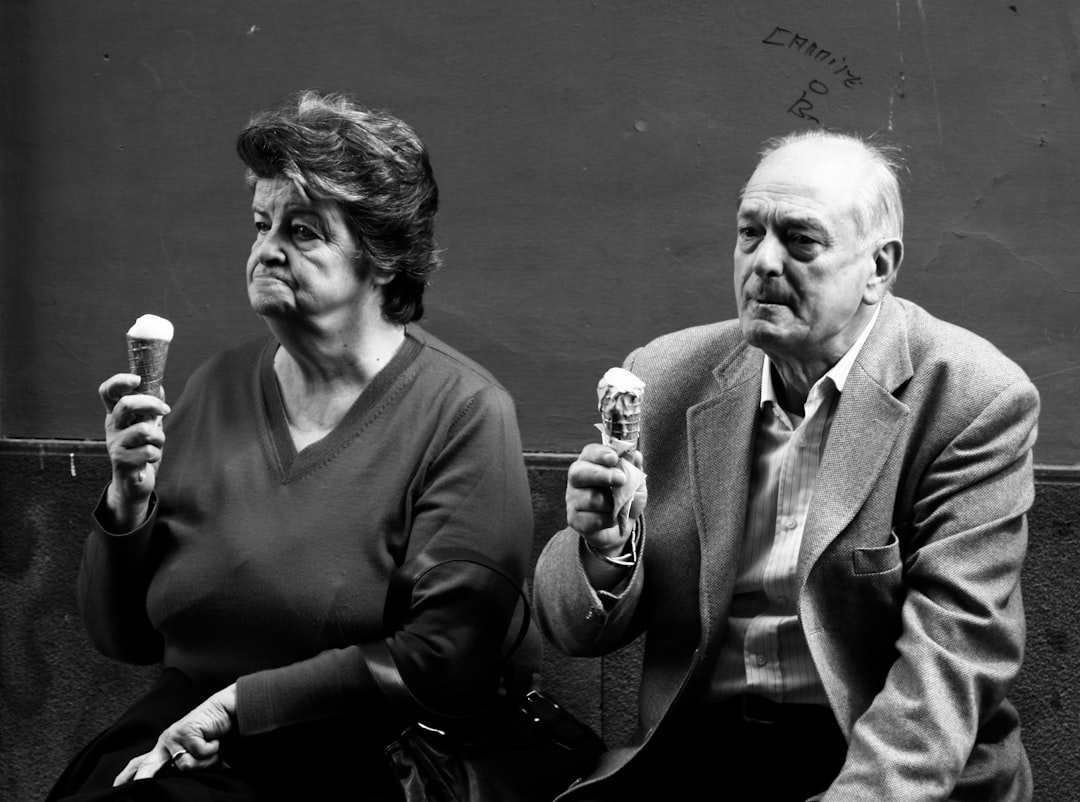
(338,358)
(321,374)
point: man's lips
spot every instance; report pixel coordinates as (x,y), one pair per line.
(768,300)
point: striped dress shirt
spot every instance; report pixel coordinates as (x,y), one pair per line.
(764,650)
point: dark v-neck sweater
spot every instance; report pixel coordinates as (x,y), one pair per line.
(269,567)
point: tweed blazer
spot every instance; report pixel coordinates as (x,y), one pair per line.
(909,566)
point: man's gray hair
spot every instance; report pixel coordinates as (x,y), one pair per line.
(879,212)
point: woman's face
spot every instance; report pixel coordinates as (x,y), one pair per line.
(304,261)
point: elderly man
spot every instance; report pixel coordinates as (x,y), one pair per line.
(827,569)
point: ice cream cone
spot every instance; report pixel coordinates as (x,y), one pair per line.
(148,347)
(146,358)
(619,395)
(619,401)
(624,421)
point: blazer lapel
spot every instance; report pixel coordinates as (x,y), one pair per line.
(867,422)
(720,434)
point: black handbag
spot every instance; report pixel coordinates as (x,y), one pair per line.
(525,748)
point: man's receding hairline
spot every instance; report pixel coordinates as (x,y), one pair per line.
(880,164)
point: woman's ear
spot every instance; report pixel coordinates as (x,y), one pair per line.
(365,270)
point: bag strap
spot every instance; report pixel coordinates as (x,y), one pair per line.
(398,599)
(399,592)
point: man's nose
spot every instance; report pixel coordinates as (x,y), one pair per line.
(769,256)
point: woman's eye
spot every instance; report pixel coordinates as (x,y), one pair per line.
(261,226)
(304,233)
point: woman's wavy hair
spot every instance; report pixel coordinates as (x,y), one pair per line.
(374,166)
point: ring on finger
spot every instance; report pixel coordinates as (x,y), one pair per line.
(176,756)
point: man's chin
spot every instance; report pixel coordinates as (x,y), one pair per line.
(758,329)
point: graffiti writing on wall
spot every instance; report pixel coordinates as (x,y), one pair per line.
(837,72)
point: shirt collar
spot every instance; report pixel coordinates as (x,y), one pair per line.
(838,373)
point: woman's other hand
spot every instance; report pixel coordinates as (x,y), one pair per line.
(134,437)
(193,742)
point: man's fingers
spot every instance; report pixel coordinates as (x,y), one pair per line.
(599,454)
(605,538)
(589,505)
(589,523)
(589,509)
(588,474)
(590,500)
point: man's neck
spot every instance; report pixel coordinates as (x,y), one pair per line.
(792,383)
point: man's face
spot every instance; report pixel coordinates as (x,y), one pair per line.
(803,278)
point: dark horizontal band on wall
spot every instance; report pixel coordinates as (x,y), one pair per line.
(542,460)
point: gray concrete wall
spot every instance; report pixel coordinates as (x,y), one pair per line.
(588,153)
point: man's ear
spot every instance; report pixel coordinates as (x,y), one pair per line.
(887,257)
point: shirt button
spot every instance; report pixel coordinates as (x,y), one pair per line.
(789,524)
(762,660)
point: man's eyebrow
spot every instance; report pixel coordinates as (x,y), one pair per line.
(803,221)
(787,219)
(750,210)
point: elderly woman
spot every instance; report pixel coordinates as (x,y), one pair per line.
(252,556)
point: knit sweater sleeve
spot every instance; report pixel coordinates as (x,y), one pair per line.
(115,572)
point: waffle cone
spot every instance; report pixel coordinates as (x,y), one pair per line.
(622,420)
(619,395)
(625,423)
(146,358)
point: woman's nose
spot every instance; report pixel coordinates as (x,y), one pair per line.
(268,248)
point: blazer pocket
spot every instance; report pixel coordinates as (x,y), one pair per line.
(877,559)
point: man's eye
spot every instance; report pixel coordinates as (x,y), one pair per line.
(802,240)
(261,226)
(748,232)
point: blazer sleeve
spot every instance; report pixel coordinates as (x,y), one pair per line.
(577,619)
(962,635)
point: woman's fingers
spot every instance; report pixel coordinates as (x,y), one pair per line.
(143,766)
(130,410)
(165,756)
(134,438)
(193,742)
(116,387)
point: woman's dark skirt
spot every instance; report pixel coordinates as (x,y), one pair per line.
(317,761)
